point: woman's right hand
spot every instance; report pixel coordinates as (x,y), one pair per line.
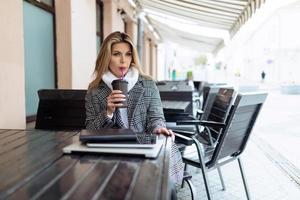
(114,100)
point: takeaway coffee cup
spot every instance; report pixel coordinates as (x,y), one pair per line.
(120,84)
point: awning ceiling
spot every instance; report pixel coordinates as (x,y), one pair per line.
(196,42)
(227,15)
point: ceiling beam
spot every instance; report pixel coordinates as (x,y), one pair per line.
(204,6)
(216,3)
(210,22)
(188,10)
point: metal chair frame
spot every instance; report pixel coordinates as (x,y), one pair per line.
(232,142)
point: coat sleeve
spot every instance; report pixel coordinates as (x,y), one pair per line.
(155,115)
(96,116)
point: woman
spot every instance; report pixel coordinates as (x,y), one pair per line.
(117,58)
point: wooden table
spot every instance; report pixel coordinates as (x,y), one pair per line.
(33,166)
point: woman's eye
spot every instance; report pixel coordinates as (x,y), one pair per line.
(129,54)
(116,54)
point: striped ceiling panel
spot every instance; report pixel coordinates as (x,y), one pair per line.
(228,15)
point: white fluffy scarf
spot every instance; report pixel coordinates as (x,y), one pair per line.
(131,77)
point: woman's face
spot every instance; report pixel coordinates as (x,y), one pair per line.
(121,57)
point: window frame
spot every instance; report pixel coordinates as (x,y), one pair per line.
(99,4)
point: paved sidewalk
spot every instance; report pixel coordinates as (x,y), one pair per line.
(265,180)
(279,125)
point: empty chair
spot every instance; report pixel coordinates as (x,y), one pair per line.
(232,142)
(61,109)
(216,111)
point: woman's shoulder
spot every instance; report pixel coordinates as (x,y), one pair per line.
(147,82)
(102,88)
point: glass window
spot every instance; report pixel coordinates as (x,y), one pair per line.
(39,52)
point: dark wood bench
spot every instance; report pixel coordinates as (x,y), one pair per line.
(61,109)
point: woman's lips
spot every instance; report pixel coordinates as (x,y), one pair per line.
(122,69)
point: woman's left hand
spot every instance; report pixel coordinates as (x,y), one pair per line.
(166,132)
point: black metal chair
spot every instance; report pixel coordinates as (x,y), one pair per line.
(217,107)
(232,142)
(61,109)
(216,111)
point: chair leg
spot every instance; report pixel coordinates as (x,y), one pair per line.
(221,178)
(244,178)
(206,182)
(185,168)
(192,188)
(203,169)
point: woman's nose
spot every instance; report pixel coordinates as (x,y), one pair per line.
(122,58)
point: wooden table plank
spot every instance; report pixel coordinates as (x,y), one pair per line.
(30,151)
(16,140)
(33,155)
(3,130)
(12,137)
(7,133)
(23,174)
(61,185)
(119,183)
(39,182)
(149,173)
(95,179)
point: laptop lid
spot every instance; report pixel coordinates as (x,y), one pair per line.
(111,135)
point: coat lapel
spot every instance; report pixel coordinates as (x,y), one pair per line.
(134,97)
(104,90)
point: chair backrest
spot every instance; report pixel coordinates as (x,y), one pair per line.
(217,104)
(207,94)
(216,109)
(239,124)
(61,109)
(209,90)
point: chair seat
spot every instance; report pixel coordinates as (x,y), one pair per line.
(190,154)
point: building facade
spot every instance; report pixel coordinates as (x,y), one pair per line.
(48,44)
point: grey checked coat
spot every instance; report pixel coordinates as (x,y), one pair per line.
(144,110)
(144,107)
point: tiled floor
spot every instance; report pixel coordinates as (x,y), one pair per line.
(271,160)
(265,180)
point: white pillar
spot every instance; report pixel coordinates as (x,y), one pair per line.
(84,46)
(76,42)
(12,75)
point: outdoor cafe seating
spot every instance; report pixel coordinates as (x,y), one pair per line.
(232,141)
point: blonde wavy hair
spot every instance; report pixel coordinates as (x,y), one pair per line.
(104,56)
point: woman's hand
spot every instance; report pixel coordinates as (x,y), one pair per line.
(114,100)
(166,132)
